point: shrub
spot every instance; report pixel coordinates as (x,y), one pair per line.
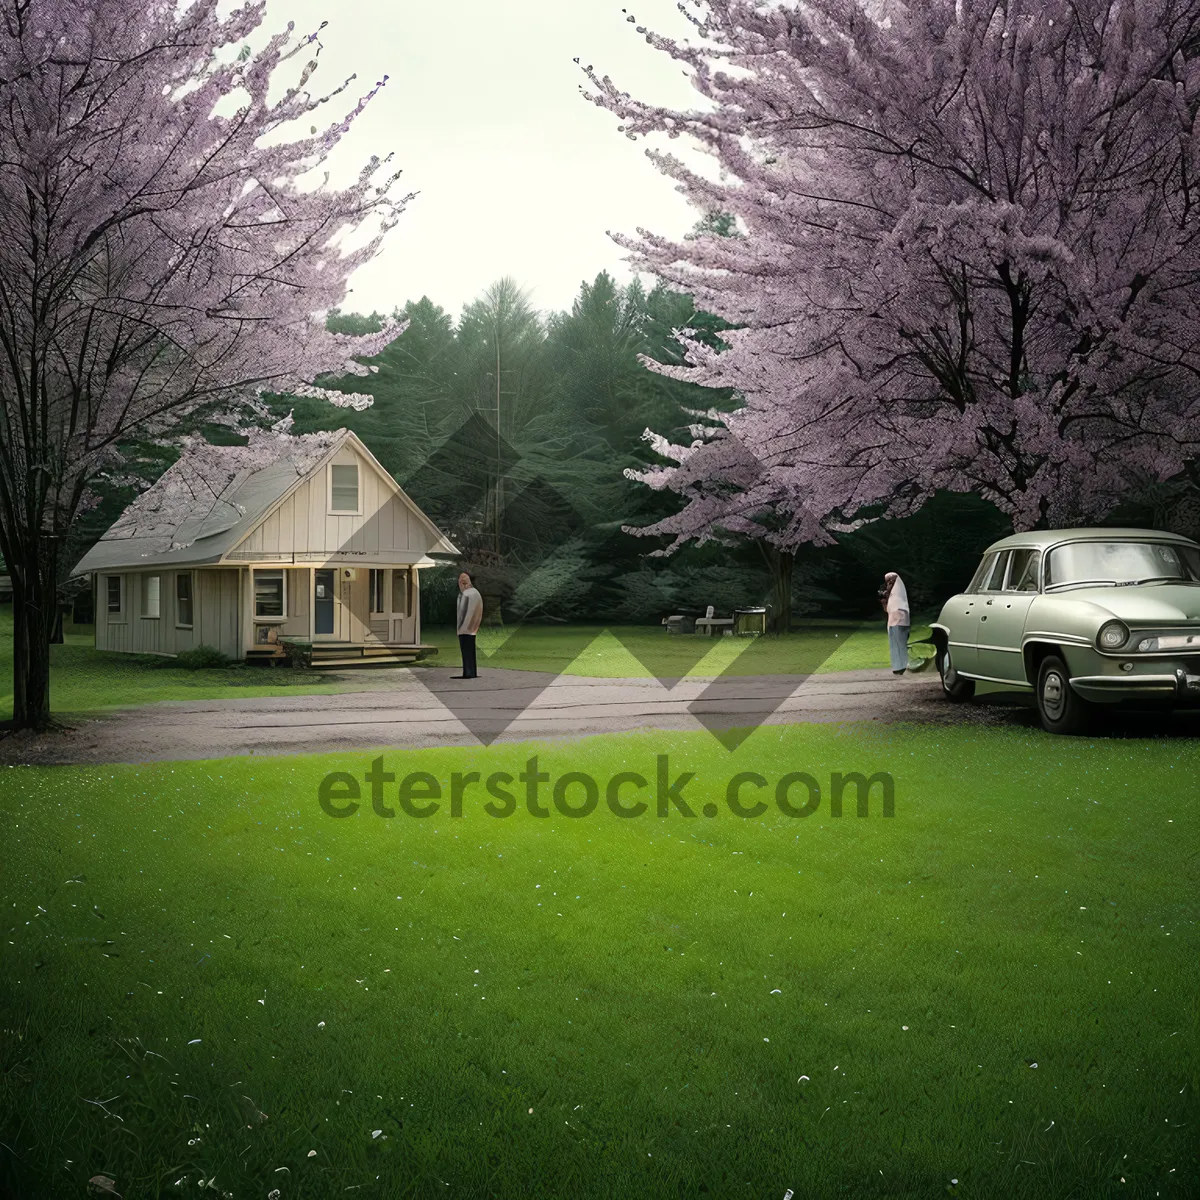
(199,658)
(299,653)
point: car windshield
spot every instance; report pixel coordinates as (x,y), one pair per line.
(1121,564)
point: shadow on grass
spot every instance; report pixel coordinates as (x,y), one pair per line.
(1020,711)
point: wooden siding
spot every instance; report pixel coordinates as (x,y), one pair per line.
(217,601)
(303,524)
(216,607)
(387,532)
(356,601)
(298,586)
(299,589)
(214,614)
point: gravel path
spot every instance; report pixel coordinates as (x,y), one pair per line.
(405,708)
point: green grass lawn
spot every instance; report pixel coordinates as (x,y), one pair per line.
(206,977)
(85,680)
(642,651)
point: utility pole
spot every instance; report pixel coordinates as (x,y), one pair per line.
(496,533)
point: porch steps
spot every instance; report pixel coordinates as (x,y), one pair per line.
(357,654)
(364,661)
(265,654)
(340,655)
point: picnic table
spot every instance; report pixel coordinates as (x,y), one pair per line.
(708,624)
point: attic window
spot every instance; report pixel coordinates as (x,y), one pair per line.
(343,488)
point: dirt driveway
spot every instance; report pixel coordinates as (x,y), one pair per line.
(404,708)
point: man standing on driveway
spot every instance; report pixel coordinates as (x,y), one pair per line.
(470,614)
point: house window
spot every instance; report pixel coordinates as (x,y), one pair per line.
(268,594)
(400,592)
(183,599)
(113,587)
(151,595)
(343,488)
(378,591)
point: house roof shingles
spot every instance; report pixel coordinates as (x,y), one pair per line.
(208,500)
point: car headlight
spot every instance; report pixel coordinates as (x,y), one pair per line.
(1181,640)
(1113,635)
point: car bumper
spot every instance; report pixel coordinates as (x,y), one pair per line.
(1176,685)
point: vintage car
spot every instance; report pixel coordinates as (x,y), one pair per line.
(1080,617)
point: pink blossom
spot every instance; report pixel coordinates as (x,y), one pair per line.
(161,257)
(970,257)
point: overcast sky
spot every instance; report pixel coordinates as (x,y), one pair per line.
(517,173)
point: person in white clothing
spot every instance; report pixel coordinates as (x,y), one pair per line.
(470,614)
(895,603)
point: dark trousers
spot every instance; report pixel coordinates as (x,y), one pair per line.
(466,645)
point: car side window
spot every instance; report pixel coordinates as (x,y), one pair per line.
(994,579)
(1023,571)
(982,572)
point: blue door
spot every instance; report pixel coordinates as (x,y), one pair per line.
(323,584)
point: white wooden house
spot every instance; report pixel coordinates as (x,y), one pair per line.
(300,538)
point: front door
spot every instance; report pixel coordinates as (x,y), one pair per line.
(324,586)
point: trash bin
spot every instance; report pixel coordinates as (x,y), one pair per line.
(749,620)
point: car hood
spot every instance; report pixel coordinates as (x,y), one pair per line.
(1149,603)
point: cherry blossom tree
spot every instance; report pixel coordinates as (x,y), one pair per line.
(164,254)
(969,262)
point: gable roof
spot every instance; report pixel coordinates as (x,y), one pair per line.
(213,497)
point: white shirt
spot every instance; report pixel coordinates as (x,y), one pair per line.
(897,605)
(470,611)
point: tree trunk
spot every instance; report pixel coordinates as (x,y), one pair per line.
(493,608)
(781,564)
(34,606)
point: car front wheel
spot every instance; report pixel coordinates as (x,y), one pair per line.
(954,685)
(1061,710)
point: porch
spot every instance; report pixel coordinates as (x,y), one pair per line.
(337,614)
(327,655)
